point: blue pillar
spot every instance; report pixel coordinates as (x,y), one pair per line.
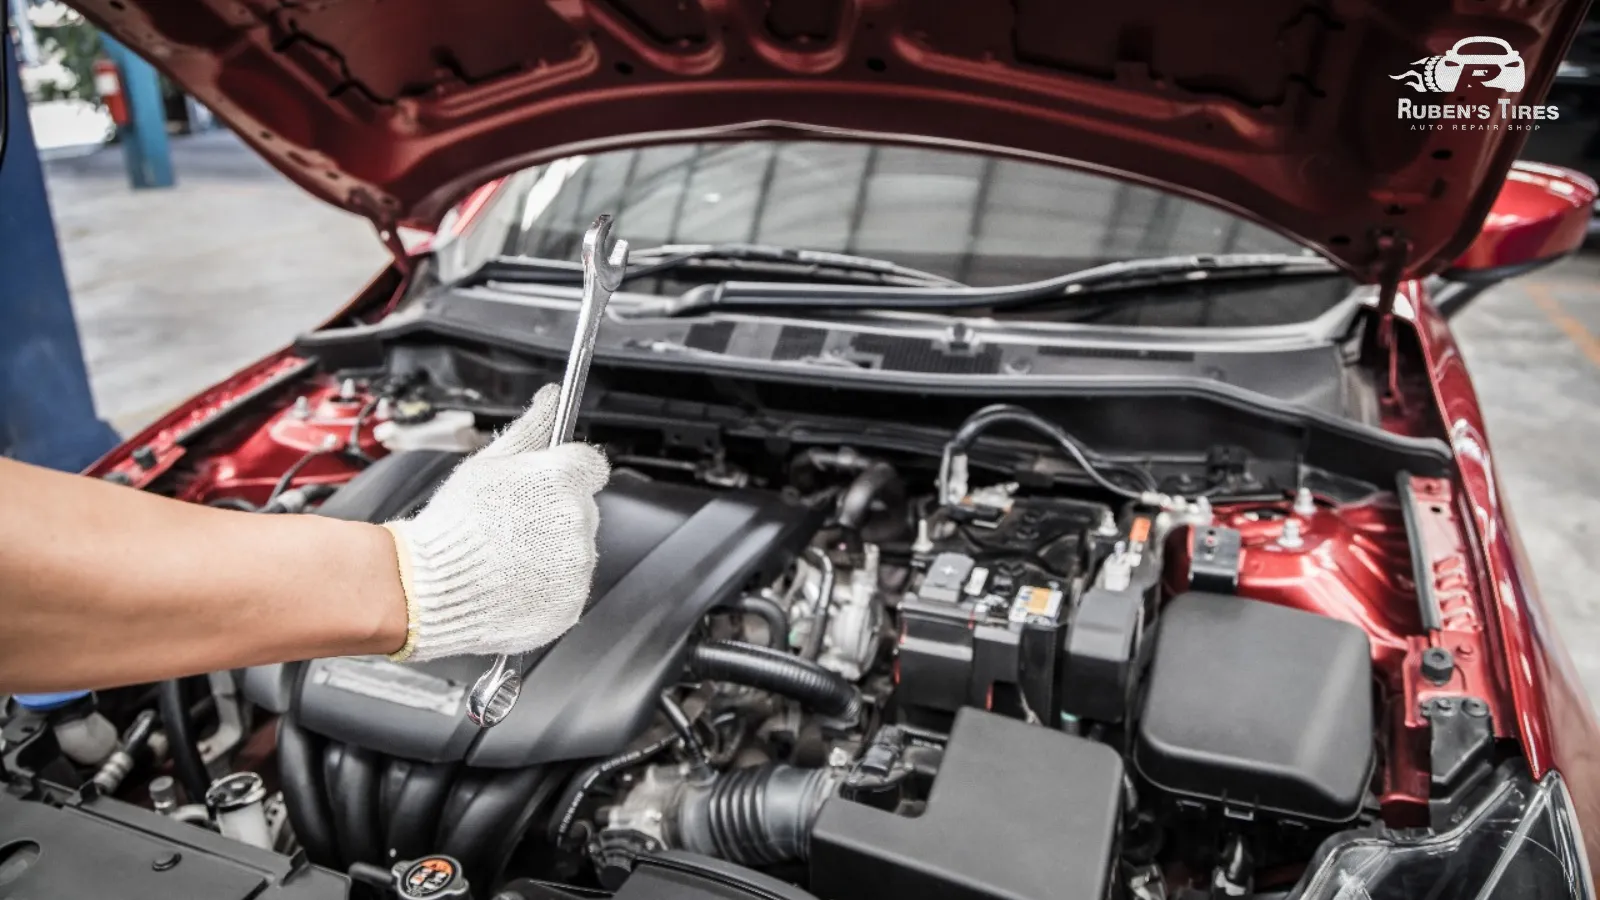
(46,411)
(144,141)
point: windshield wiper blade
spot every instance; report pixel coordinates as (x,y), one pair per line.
(759,295)
(816,261)
(759,257)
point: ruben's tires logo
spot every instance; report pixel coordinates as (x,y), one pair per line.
(1475,68)
(1486,61)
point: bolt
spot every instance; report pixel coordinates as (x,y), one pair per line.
(1437,665)
(1108,523)
(1289,538)
(1444,706)
(165,861)
(838,758)
(1304,503)
(302,408)
(347,389)
(145,456)
(1474,707)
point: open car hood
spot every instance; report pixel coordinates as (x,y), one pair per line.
(1280,110)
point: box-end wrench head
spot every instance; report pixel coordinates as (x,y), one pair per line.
(495,692)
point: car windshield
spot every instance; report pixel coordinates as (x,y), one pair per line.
(980,220)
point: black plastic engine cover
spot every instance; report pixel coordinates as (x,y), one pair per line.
(1017,812)
(1259,708)
(105,848)
(668,554)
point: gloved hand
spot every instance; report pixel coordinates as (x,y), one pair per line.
(501,559)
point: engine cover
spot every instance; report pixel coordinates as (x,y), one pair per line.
(668,554)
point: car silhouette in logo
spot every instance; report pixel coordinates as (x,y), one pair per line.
(1501,69)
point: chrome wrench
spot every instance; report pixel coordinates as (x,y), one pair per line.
(496,690)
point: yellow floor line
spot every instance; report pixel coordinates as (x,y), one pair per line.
(1574,329)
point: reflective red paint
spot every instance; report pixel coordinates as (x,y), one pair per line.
(165,438)
(1554,719)
(1353,562)
(1284,112)
(251,469)
(1542,213)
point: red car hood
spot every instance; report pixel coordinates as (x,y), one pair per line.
(1282,110)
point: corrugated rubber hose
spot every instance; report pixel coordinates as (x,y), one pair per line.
(780,673)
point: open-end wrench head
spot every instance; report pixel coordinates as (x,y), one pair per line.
(607,266)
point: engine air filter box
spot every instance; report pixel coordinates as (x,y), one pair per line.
(1258,708)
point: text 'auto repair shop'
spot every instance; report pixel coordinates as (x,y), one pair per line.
(799,449)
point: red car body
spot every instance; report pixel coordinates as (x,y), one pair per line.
(345,100)
(1496,626)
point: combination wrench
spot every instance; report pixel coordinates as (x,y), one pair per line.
(496,690)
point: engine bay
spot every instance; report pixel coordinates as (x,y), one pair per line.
(820,667)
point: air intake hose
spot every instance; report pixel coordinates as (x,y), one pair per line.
(755,816)
(780,673)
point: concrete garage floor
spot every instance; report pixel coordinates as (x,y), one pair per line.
(176,289)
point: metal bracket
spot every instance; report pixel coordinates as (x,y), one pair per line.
(390,235)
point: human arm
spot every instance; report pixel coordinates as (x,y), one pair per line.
(103,585)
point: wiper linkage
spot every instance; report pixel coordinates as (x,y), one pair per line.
(762,295)
(663,258)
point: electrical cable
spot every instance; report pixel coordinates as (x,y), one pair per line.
(567,809)
(289,473)
(183,740)
(238,503)
(1000,413)
(352,445)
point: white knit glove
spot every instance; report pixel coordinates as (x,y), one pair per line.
(501,559)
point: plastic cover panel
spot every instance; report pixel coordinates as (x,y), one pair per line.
(667,554)
(1017,812)
(1259,707)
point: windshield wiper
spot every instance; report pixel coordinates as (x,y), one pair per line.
(739,296)
(805,264)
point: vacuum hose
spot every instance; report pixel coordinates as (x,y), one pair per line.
(770,670)
(755,816)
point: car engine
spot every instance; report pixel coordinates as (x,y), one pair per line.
(848,672)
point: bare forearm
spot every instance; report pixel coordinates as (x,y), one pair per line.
(102,585)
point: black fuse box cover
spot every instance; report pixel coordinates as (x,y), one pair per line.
(1258,707)
(1017,812)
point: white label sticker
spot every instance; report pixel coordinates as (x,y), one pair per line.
(384,680)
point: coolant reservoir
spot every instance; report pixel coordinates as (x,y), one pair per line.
(449,430)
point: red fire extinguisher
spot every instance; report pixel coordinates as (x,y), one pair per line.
(108,84)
